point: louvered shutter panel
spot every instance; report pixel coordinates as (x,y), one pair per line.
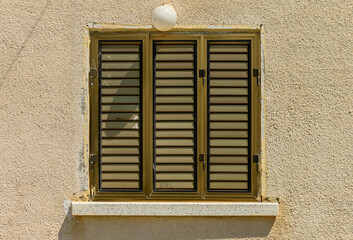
(174,116)
(120,115)
(228,116)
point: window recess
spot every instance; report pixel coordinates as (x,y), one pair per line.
(174,116)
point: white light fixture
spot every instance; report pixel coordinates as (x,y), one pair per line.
(164,17)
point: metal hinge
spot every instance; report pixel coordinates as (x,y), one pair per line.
(92,161)
(256,73)
(92,164)
(202,74)
(92,74)
(256,159)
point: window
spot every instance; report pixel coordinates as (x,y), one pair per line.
(174,116)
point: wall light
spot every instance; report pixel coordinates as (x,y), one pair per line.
(164,17)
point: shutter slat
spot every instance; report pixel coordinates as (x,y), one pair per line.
(228,185)
(120,116)
(175,142)
(174,48)
(120,91)
(228,116)
(227,74)
(175,57)
(174,117)
(180,83)
(120,133)
(120,168)
(226,108)
(228,57)
(174,168)
(120,99)
(228,100)
(120,125)
(120,176)
(228,151)
(118,150)
(174,100)
(228,48)
(174,159)
(175,108)
(120,56)
(120,184)
(228,168)
(228,125)
(126,159)
(120,48)
(121,82)
(174,185)
(120,142)
(228,137)
(121,65)
(174,134)
(227,65)
(175,176)
(229,142)
(228,160)
(228,91)
(174,151)
(229,177)
(177,65)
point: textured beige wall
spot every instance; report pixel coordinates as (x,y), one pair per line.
(309,118)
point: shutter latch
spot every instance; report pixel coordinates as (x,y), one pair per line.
(202,74)
(202,159)
(92,74)
(256,73)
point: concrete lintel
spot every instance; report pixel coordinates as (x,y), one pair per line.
(201,27)
(173,209)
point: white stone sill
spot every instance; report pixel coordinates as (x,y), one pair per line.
(174,209)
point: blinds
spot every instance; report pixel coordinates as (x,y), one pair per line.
(120,115)
(174,116)
(228,116)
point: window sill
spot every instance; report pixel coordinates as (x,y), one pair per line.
(174,209)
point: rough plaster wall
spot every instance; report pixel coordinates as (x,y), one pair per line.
(309,111)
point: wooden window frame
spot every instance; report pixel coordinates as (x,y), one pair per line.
(201,195)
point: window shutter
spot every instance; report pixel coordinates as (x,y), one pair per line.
(229,115)
(120,115)
(190,132)
(175,115)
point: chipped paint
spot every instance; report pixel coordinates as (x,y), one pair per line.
(84,178)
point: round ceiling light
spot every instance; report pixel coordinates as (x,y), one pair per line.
(164,17)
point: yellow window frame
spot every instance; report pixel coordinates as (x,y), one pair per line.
(147,192)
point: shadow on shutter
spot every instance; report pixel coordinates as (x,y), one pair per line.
(120,115)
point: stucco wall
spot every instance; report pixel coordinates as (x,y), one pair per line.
(308,125)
